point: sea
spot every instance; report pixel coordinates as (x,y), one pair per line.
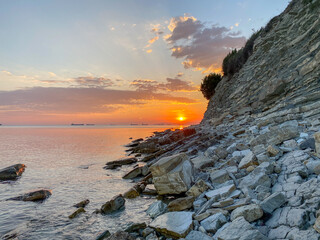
(69,161)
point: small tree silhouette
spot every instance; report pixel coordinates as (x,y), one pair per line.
(209,83)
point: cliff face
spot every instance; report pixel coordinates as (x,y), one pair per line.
(281,79)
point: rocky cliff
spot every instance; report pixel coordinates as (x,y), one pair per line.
(281,79)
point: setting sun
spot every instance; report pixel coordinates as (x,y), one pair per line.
(181,118)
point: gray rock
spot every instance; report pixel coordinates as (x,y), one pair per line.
(219,176)
(297,218)
(279,232)
(221,192)
(297,234)
(198,188)
(239,229)
(12,172)
(273,202)
(115,204)
(214,222)
(250,212)
(173,174)
(248,160)
(255,178)
(308,143)
(173,224)
(156,209)
(196,235)
(317,142)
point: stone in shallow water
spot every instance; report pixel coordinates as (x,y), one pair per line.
(12,172)
(82,203)
(38,195)
(77,212)
(113,205)
(173,224)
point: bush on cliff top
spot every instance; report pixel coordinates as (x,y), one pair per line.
(209,83)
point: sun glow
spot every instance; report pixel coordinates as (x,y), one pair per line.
(181,118)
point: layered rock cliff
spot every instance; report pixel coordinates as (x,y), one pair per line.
(281,79)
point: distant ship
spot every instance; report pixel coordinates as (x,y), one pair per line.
(77,124)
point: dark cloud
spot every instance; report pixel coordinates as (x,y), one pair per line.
(74,100)
(172,84)
(200,46)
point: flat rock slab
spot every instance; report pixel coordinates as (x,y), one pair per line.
(156,209)
(12,172)
(273,202)
(239,229)
(180,204)
(120,162)
(221,192)
(214,222)
(38,195)
(173,224)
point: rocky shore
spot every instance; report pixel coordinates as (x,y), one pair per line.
(251,169)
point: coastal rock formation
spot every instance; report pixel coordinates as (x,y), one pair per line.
(172,175)
(115,204)
(38,195)
(120,162)
(12,172)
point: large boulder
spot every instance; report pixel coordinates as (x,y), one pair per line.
(38,195)
(113,205)
(12,172)
(173,174)
(173,224)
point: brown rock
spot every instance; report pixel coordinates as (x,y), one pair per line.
(82,203)
(113,205)
(77,212)
(34,196)
(12,172)
(180,204)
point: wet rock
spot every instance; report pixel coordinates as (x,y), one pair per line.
(120,235)
(173,224)
(197,235)
(214,222)
(239,229)
(198,188)
(76,213)
(248,160)
(103,235)
(273,202)
(180,204)
(156,209)
(82,203)
(138,171)
(173,174)
(120,162)
(12,172)
(135,227)
(38,195)
(250,212)
(131,193)
(115,204)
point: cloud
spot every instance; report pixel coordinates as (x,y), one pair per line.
(7,72)
(180,74)
(149,51)
(78,100)
(152,40)
(202,47)
(93,82)
(172,85)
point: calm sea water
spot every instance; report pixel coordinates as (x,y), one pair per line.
(69,161)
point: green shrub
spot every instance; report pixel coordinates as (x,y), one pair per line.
(209,83)
(234,61)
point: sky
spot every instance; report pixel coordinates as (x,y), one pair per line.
(117,62)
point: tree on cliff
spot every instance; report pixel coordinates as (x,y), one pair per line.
(209,83)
